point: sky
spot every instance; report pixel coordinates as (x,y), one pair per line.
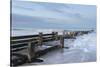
(29,14)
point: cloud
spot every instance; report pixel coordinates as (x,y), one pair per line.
(53,13)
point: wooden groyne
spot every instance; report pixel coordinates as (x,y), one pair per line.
(32,46)
(73,34)
(29,47)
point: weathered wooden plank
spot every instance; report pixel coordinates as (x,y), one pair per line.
(23,41)
(23,37)
(18,49)
(18,45)
(28,36)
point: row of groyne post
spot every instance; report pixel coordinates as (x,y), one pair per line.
(73,34)
(30,42)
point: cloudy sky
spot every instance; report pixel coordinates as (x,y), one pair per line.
(27,14)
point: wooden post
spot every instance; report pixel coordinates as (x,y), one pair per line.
(31,52)
(56,35)
(62,41)
(64,33)
(73,34)
(40,38)
(53,35)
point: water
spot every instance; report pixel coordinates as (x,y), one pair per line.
(32,31)
(82,49)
